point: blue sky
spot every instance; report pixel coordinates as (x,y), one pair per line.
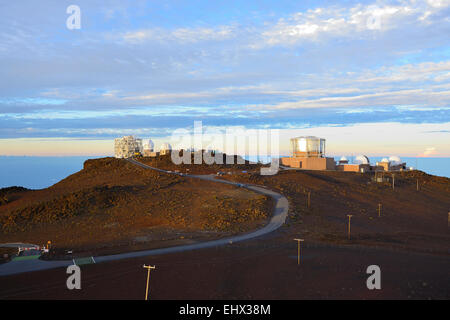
(149,67)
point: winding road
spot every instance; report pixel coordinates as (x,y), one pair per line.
(277,220)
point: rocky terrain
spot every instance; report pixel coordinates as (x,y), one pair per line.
(114,205)
(408,241)
(409,218)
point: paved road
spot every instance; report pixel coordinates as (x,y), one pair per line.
(277,220)
(18,244)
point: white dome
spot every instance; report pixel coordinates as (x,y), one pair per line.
(149,145)
(385,160)
(166,147)
(343,158)
(362,159)
(395,159)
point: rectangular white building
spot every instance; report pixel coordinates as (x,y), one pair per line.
(127,147)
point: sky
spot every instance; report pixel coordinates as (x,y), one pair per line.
(371,77)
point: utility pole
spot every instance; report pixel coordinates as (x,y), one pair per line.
(298,251)
(393,181)
(349,218)
(309,199)
(148,278)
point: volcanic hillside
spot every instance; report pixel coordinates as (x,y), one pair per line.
(112,203)
(411,219)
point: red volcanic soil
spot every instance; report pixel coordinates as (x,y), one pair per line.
(410,219)
(258,269)
(409,242)
(114,206)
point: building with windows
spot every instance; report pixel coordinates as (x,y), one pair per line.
(308,153)
(361,164)
(127,147)
(392,164)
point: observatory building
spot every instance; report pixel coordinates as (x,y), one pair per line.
(149,149)
(127,147)
(394,163)
(165,149)
(308,153)
(343,160)
(149,145)
(361,164)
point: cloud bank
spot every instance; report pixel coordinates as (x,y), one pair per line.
(146,68)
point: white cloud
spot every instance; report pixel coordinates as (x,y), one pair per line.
(425,71)
(323,58)
(389,98)
(422,84)
(337,21)
(438,3)
(379,139)
(183,35)
(429,151)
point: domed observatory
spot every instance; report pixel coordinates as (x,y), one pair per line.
(149,149)
(394,163)
(362,159)
(308,152)
(149,145)
(308,147)
(363,163)
(395,160)
(360,164)
(343,160)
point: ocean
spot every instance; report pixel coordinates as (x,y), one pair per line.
(42,172)
(434,166)
(37,172)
